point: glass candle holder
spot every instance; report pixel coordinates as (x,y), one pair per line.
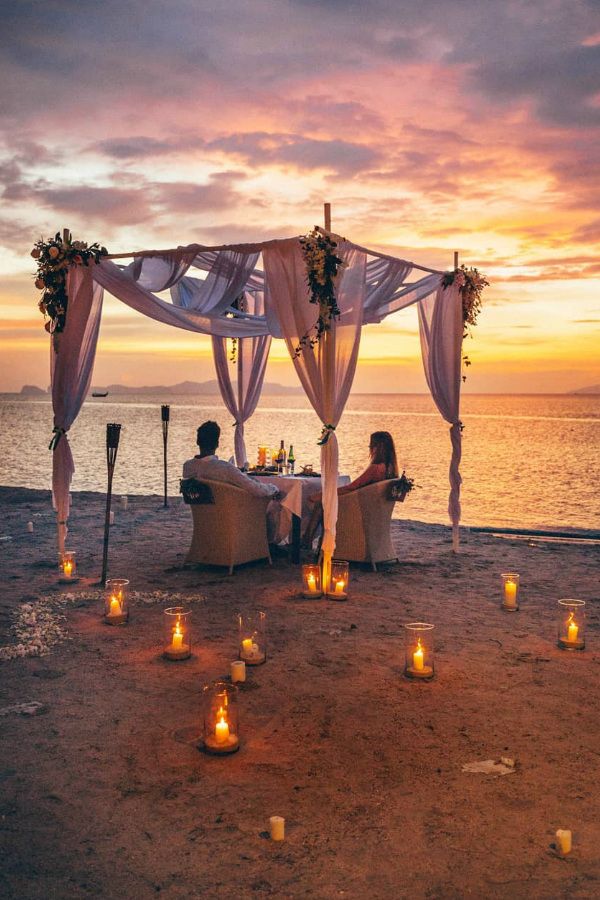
(220,732)
(571,624)
(419,650)
(311,581)
(178,635)
(67,565)
(253,638)
(116,605)
(510,591)
(339,580)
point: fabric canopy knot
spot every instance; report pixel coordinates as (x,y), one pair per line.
(58,433)
(326,433)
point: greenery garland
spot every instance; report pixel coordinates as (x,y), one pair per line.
(54,256)
(322,267)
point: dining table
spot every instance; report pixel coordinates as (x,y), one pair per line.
(290,515)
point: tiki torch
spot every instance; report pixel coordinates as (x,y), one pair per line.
(113,432)
(165,412)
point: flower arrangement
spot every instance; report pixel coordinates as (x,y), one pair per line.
(322,267)
(401,487)
(54,257)
(470,284)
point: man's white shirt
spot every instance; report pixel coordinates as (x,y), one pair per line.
(212,468)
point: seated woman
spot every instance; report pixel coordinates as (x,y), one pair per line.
(383,465)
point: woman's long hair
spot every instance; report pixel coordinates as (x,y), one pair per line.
(383,451)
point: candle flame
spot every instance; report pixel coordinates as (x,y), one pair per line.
(571,617)
(419,646)
(222,715)
(178,628)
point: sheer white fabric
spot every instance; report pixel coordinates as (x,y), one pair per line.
(441,330)
(326,371)
(227,278)
(71,366)
(251,363)
(121,284)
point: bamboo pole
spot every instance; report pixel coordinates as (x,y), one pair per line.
(165,413)
(327,216)
(113,432)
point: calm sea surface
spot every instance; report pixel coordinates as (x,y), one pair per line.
(528,461)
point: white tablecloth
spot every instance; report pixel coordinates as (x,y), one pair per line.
(297,492)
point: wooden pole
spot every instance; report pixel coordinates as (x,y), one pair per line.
(165,414)
(113,433)
(327,216)
(455,260)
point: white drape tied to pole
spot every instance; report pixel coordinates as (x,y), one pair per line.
(251,363)
(71,365)
(441,331)
(326,371)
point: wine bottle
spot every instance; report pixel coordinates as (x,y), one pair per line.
(291,459)
(281,458)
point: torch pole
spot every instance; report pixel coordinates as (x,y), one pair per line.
(113,433)
(165,413)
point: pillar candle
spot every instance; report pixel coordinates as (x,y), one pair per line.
(510,593)
(222,731)
(111,520)
(277,828)
(115,607)
(67,568)
(564,840)
(339,587)
(572,632)
(311,581)
(238,670)
(418,658)
(177,638)
(247,646)
(125,502)
(30,527)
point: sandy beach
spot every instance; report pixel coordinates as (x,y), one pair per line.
(105,794)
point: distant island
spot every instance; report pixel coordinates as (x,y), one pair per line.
(32,390)
(189,388)
(593,389)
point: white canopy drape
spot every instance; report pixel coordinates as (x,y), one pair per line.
(71,365)
(369,287)
(251,364)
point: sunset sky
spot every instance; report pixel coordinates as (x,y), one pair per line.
(467,125)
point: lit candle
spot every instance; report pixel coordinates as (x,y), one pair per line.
(238,670)
(68,568)
(177,638)
(510,593)
(418,658)
(248,646)
(312,582)
(564,840)
(277,828)
(572,630)
(115,606)
(222,729)
(339,587)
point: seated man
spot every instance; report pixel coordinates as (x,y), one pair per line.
(208,466)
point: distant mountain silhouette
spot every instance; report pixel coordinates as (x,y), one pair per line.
(189,388)
(592,389)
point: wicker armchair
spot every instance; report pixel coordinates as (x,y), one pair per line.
(230,525)
(363,526)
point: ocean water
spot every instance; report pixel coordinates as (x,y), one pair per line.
(529,461)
